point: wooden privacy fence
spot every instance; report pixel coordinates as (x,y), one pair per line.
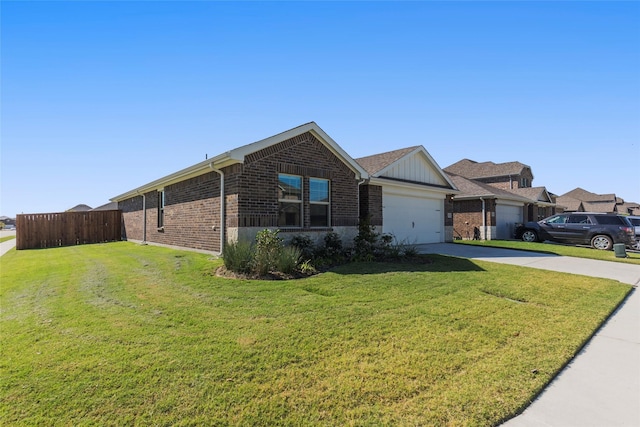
(36,231)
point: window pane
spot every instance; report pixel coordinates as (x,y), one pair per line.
(318,190)
(319,215)
(289,187)
(289,214)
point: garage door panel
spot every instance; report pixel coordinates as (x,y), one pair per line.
(506,219)
(413,219)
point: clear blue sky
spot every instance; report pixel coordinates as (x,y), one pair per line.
(101,97)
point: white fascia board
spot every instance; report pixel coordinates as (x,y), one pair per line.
(389,183)
(192,171)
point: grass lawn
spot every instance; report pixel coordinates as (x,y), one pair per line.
(5,238)
(121,334)
(564,250)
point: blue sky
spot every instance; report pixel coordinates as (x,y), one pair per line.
(101,97)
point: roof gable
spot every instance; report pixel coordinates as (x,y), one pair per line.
(538,194)
(411,164)
(237,155)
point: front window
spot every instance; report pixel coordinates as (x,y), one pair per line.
(319,202)
(289,200)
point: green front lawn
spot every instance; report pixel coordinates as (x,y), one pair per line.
(5,238)
(121,334)
(564,250)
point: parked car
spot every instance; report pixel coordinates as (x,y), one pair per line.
(599,230)
(635,221)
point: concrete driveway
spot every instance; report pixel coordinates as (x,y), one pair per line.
(601,386)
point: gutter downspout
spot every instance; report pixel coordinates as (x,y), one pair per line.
(362,181)
(223,219)
(484,219)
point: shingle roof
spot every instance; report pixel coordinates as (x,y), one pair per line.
(471,188)
(537,194)
(587,196)
(80,208)
(375,163)
(474,170)
(569,203)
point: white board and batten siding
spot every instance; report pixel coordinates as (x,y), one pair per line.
(411,211)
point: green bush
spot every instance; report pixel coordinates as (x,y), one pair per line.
(268,248)
(288,259)
(238,257)
(305,244)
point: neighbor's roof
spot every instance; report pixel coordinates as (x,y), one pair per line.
(569,203)
(474,170)
(535,194)
(80,208)
(587,196)
(237,155)
(471,189)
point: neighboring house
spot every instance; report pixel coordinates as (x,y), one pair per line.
(8,221)
(494,198)
(79,208)
(107,207)
(299,181)
(413,192)
(482,211)
(507,176)
(580,200)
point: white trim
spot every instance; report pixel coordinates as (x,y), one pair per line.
(238,155)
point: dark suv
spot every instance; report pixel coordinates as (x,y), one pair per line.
(599,230)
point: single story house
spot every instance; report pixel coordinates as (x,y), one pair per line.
(300,182)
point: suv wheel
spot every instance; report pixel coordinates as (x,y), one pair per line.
(529,236)
(602,242)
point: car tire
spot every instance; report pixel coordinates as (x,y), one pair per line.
(636,245)
(602,242)
(529,236)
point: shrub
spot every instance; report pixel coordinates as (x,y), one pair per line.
(305,244)
(238,257)
(288,259)
(268,248)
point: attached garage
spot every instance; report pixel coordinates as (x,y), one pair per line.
(414,190)
(507,216)
(412,218)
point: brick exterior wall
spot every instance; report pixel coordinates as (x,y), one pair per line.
(257,184)
(371,204)
(191,215)
(192,207)
(509,182)
(467,215)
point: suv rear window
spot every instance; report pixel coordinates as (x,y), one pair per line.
(609,219)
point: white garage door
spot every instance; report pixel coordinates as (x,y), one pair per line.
(413,219)
(506,219)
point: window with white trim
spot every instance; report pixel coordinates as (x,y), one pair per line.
(289,200)
(319,203)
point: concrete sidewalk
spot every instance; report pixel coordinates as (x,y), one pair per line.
(6,246)
(601,386)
